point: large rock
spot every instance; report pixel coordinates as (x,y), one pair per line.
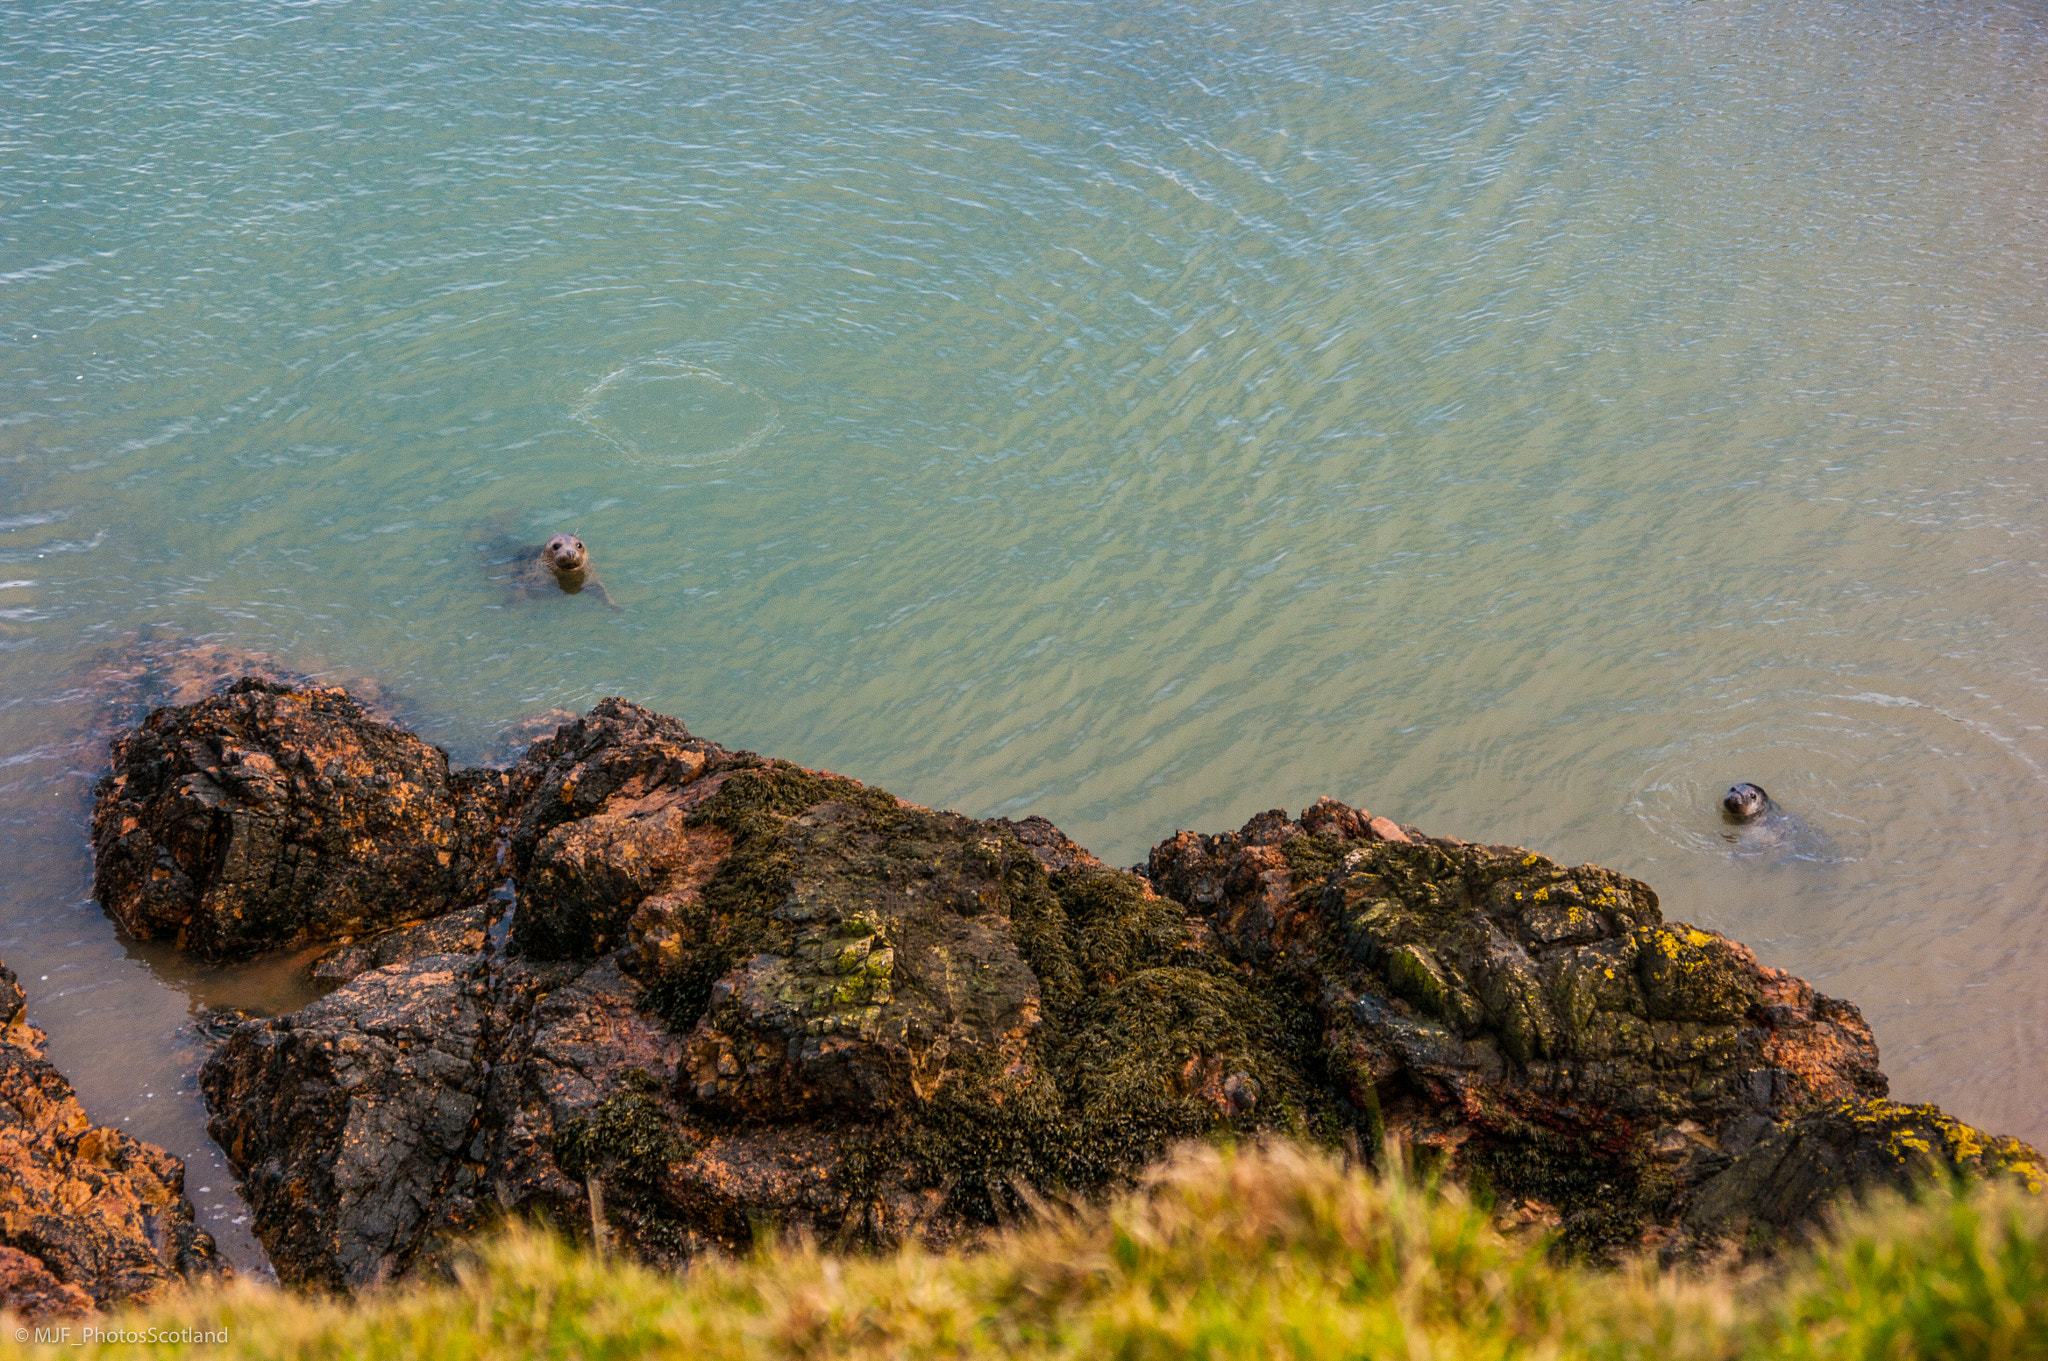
(1545,1028)
(604,819)
(741,992)
(88,1216)
(268,815)
(738,992)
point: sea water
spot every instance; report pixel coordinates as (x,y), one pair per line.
(1520,420)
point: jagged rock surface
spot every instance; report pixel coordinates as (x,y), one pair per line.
(457,933)
(88,1216)
(739,992)
(270,815)
(349,1121)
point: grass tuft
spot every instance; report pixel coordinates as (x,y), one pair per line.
(1961,1275)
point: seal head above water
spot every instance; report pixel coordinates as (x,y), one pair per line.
(568,562)
(1746,802)
(566,557)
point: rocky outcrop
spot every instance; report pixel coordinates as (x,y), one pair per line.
(604,819)
(1545,1028)
(739,992)
(269,815)
(88,1216)
(1797,1167)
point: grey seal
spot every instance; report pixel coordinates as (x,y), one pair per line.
(1764,828)
(562,562)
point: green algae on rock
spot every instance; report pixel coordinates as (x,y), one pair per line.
(743,993)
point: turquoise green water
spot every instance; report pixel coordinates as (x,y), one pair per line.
(1520,420)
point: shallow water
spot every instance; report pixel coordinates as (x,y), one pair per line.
(1521,420)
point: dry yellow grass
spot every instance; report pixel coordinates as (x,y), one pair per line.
(1269,1252)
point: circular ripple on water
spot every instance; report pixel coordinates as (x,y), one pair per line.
(676,414)
(1859,772)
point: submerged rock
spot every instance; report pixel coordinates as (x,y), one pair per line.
(739,992)
(269,815)
(89,1218)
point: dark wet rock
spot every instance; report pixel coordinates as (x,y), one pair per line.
(738,992)
(605,760)
(888,965)
(1055,850)
(266,816)
(741,992)
(349,1120)
(1331,818)
(401,1110)
(1544,1027)
(463,932)
(582,1086)
(1796,1168)
(88,1216)
(604,820)
(13,1001)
